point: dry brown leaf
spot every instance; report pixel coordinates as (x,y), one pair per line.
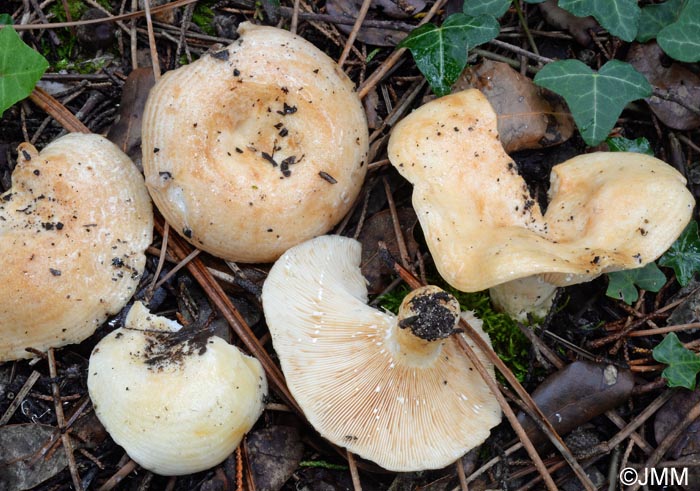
(528,116)
(126,132)
(576,394)
(671,78)
(396,9)
(274,454)
(380,226)
(578,27)
(18,444)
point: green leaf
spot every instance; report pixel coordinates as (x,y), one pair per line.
(621,284)
(619,17)
(441,52)
(683,364)
(684,254)
(638,145)
(681,40)
(495,8)
(657,16)
(20,68)
(5,20)
(596,100)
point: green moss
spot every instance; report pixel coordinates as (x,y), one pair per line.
(508,341)
(203,17)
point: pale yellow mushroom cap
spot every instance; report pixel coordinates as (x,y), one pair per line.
(74,228)
(608,210)
(255,148)
(359,384)
(175,409)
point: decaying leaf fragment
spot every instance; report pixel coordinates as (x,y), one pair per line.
(528,116)
(674,80)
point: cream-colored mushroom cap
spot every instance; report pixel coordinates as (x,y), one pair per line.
(255,148)
(176,406)
(74,228)
(607,211)
(362,377)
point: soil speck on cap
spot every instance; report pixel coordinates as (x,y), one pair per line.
(434,320)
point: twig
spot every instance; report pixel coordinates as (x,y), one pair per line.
(295,18)
(379,74)
(670,439)
(19,397)
(117,477)
(61,421)
(177,268)
(355,29)
(152,41)
(114,18)
(520,51)
(460,474)
(356,484)
(403,252)
(161,259)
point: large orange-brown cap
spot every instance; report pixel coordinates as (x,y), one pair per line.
(255,148)
(74,228)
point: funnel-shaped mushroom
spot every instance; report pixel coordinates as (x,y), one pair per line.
(396,391)
(607,211)
(74,228)
(177,406)
(255,148)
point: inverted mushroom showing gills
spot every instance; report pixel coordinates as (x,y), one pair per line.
(74,228)
(177,406)
(256,147)
(394,390)
(607,210)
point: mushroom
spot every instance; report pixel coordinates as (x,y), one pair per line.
(176,405)
(607,211)
(255,147)
(394,390)
(74,228)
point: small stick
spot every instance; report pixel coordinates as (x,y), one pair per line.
(161,259)
(295,18)
(117,477)
(31,380)
(60,419)
(152,41)
(460,474)
(178,267)
(357,486)
(403,252)
(388,64)
(355,29)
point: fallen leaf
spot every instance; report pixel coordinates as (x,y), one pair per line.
(19,443)
(528,116)
(672,79)
(670,416)
(380,226)
(274,454)
(576,394)
(578,27)
(126,132)
(375,36)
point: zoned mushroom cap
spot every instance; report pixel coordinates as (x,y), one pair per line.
(255,148)
(608,211)
(405,409)
(74,228)
(175,407)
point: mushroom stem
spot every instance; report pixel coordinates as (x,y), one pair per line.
(426,317)
(518,298)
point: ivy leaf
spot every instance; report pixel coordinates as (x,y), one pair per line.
(495,8)
(684,254)
(5,20)
(596,100)
(20,68)
(441,52)
(681,40)
(683,364)
(619,17)
(621,284)
(638,145)
(657,16)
